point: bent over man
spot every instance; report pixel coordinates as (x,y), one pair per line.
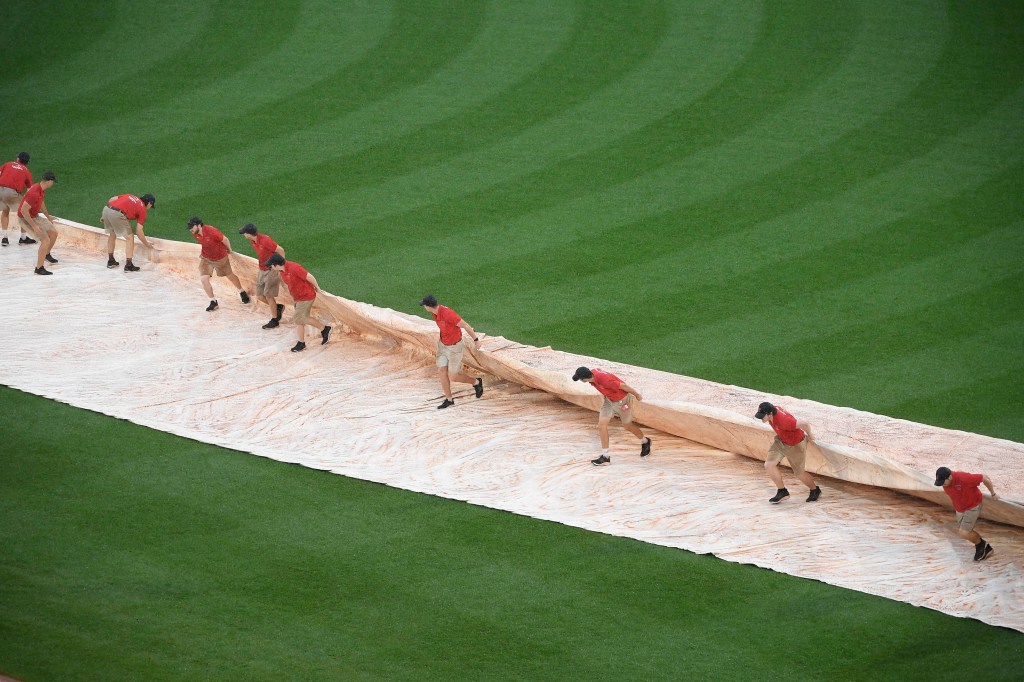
(32,204)
(450,349)
(214,257)
(303,287)
(791,438)
(618,402)
(115,218)
(268,283)
(15,178)
(962,489)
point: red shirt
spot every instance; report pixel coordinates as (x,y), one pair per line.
(34,198)
(212,240)
(15,176)
(265,248)
(448,322)
(131,206)
(964,490)
(294,277)
(608,385)
(784,425)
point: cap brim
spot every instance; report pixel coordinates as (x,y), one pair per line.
(760,415)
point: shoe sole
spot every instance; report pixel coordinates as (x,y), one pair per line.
(777,501)
(989,551)
(600,464)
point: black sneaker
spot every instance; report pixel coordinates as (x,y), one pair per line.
(988,551)
(111,263)
(779,496)
(299,347)
(131,267)
(273,323)
(51,259)
(26,240)
(601,461)
(212,306)
(979,550)
(4,242)
(478,387)
(325,334)
(815,494)
(280,310)
(645,448)
(448,402)
(43,271)
(244,295)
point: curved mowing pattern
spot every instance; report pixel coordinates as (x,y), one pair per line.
(819,203)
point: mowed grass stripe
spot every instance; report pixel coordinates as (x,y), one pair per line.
(424,86)
(325,40)
(449,193)
(609,224)
(208,56)
(502,206)
(496,97)
(166,558)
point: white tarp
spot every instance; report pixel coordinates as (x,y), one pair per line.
(141,347)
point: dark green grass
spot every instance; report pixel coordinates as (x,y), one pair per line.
(816,201)
(153,557)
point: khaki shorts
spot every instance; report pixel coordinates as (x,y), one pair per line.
(450,356)
(268,283)
(222,267)
(115,222)
(41,220)
(623,409)
(796,455)
(966,520)
(303,311)
(10,198)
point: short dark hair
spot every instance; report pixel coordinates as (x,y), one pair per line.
(582,373)
(429,301)
(48,175)
(248,228)
(193,221)
(23,157)
(148,199)
(276,259)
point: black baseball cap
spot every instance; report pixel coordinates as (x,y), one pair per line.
(582,373)
(48,175)
(148,199)
(23,157)
(275,259)
(941,474)
(429,300)
(248,228)
(193,221)
(764,409)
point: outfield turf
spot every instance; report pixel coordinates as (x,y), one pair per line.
(824,201)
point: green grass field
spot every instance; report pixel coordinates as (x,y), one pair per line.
(819,201)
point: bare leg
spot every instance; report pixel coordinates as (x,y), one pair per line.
(463,378)
(111,243)
(129,245)
(969,535)
(446,384)
(300,332)
(52,234)
(272,302)
(233,278)
(773,473)
(5,216)
(807,480)
(634,429)
(207,287)
(602,430)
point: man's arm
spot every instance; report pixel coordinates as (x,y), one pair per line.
(806,428)
(24,213)
(312,280)
(629,389)
(472,334)
(46,212)
(142,235)
(279,251)
(988,484)
(227,243)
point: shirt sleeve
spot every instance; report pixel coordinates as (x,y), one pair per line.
(785,421)
(141,220)
(970,479)
(450,316)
